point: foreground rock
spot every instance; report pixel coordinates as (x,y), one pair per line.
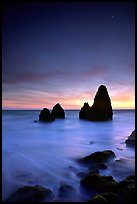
(46,116)
(58,111)
(107,190)
(131,139)
(101,110)
(31,194)
(108,198)
(127,187)
(98,183)
(97,157)
(66,191)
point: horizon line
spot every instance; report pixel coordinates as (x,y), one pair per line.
(64,109)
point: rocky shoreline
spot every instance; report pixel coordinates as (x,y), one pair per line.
(103,189)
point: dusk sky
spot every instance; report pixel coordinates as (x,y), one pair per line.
(62,52)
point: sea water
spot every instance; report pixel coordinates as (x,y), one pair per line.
(36,153)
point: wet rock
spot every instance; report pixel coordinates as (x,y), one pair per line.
(112,186)
(127,187)
(98,199)
(131,139)
(31,194)
(46,116)
(99,156)
(58,111)
(110,197)
(96,182)
(66,190)
(101,110)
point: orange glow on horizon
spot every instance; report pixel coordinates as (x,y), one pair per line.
(66,104)
(120,99)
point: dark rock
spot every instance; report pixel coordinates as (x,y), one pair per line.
(131,139)
(84,112)
(66,190)
(98,199)
(96,182)
(110,197)
(112,186)
(101,110)
(31,194)
(127,187)
(58,111)
(100,156)
(46,116)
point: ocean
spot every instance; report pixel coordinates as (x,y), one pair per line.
(35,153)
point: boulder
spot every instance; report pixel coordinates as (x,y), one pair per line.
(111,198)
(46,116)
(98,157)
(66,190)
(131,139)
(101,110)
(58,111)
(96,182)
(31,194)
(98,199)
(127,187)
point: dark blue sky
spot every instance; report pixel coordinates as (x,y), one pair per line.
(62,52)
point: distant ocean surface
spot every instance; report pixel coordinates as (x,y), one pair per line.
(35,153)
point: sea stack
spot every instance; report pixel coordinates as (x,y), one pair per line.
(131,139)
(46,116)
(101,110)
(58,111)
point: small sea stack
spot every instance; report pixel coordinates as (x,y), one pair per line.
(101,110)
(46,116)
(58,111)
(131,139)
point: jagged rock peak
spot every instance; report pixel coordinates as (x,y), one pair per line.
(101,110)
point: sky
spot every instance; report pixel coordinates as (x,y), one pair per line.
(62,52)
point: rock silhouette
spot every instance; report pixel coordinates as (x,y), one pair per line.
(101,110)
(83,114)
(58,111)
(46,116)
(131,139)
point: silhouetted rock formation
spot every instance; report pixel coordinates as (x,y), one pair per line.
(101,110)
(46,116)
(83,114)
(131,139)
(58,111)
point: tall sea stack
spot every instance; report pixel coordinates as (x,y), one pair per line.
(101,110)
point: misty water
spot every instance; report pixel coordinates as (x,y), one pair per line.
(35,153)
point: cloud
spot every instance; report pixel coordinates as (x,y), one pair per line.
(28,77)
